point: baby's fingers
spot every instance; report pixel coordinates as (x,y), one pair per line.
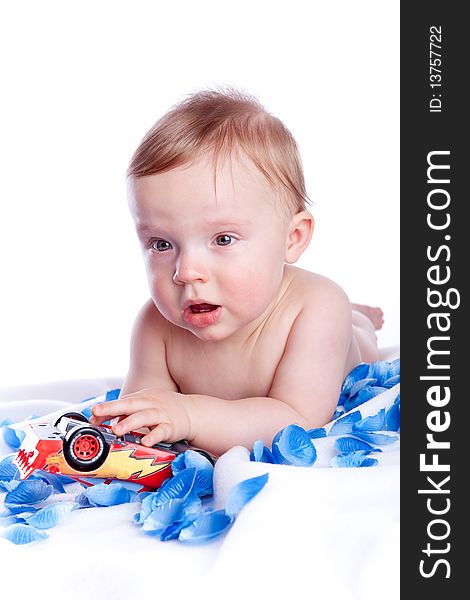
(143,418)
(97,421)
(160,433)
(116,408)
(104,411)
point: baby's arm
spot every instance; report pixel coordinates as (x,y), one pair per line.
(148,367)
(149,396)
(305,388)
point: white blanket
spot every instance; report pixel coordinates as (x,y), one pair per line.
(314,531)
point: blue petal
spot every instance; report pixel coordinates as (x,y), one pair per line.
(12,437)
(372,423)
(261,454)
(345,424)
(364,395)
(163,516)
(350,444)
(257,451)
(108,494)
(380,370)
(83,501)
(9,486)
(173,531)
(352,460)
(23,534)
(376,438)
(8,470)
(28,492)
(178,464)
(18,509)
(267,456)
(375,390)
(149,503)
(57,481)
(51,515)
(359,385)
(279,458)
(360,452)
(243,492)
(384,370)
(203,485)
(318,432)
(192,503)
(392,418)
(296,446)
(177,487)
(206,527)
(11,520)
(358,373)
(180,487)
(389,383)
(112,395)
(394,367)
(338,412)
(87,412)
(16,517)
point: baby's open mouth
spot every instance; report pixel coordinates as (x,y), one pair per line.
(201,308)
(202,314)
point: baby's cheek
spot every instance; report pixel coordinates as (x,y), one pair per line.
(164,300)
(162,288)
(254,284)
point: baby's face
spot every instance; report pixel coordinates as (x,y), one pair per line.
(214,264)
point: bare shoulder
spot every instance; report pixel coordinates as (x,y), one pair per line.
(311,371)
(316,293)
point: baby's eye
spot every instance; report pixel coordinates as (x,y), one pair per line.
(161,245)
(224,240)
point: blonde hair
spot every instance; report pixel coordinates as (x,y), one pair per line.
(220,122)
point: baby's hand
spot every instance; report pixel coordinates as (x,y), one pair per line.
(164,412)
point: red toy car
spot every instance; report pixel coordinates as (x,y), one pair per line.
(73,447)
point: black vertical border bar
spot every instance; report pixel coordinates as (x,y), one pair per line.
(421,132)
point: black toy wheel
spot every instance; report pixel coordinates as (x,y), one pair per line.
(85,449)
(71,415)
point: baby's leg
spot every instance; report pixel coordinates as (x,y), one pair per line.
(364,334)
(373,313)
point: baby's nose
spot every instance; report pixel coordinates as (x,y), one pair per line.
(187,272)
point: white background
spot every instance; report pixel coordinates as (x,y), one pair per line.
(82,82)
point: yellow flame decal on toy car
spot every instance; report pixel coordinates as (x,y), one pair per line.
(123,464)
(120,464)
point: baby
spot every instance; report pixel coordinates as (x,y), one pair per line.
(235,343)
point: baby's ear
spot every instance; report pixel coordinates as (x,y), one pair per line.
(299,235)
